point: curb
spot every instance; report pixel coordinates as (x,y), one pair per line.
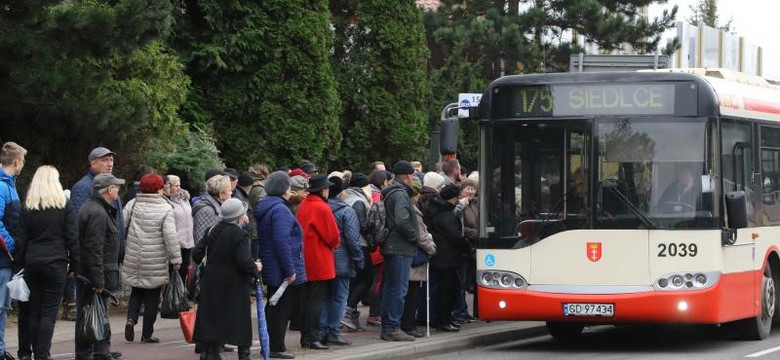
(453,343)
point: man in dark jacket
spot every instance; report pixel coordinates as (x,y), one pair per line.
(398,250)
(12,161)
(99,263)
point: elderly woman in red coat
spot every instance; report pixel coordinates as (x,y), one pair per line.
(320,237)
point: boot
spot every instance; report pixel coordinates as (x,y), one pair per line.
(216,352)
(243,353)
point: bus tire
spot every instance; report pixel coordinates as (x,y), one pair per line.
(757,328)
(564,331)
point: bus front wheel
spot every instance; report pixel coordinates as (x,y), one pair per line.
(564,331)
(757,328)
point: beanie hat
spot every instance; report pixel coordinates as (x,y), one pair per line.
(468,182)
(433,180)
(359,180)
(298,182)
(212,173)
(233,209)
(416,188)
(232,173)
(403,167)
(151,183)
(245,179)
(450,191)
(336,187)
(277,183)
(298,172)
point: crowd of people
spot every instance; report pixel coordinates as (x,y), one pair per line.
(321,244)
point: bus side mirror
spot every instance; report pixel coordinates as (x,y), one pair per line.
(736,209)
(449,135)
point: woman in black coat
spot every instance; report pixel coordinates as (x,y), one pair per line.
(224,310)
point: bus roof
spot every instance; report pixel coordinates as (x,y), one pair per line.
(736,94)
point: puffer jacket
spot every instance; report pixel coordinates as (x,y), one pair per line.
(99,243)
(152,241)
(205,214)
(358,200)
(10,211)
(280,239)
(426,244)
(402,239)
(348,257)
(82,191)
(182,211)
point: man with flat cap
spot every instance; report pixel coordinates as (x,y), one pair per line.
(100,247)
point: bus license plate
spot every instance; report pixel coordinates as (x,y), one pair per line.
(586,309)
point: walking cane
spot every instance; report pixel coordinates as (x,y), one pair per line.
(427,301)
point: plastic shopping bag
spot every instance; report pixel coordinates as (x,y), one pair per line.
(17,287)
(187,323)
(92,325)
(174,297)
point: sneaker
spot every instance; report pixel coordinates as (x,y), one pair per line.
(129,331)
(374,321)
(397,335)
(416,333)
(348,320)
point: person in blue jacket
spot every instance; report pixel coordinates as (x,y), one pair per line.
(280,239)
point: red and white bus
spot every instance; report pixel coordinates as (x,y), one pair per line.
(630,197)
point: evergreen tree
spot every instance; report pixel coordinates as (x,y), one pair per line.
(78,74)
(261,74)
(706,12)
(380,57)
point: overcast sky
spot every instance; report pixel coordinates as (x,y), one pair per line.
(755,20)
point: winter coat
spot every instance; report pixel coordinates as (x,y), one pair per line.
(402,239)
(10,210)
(205,214)
(426,194)
(426,244)
(182,211)
(446,229)
(280,239)
(360,202)
(348,256)
(256,193)
(251,226)
(152,241)
(320,237)
(82,191)
(224,309)
(47,236)
(471,221)
(99,243)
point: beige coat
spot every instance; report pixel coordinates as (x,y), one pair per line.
(152,241)
(426,244)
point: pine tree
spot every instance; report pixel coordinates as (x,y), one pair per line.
(263,78)
(706,12)
(380,59)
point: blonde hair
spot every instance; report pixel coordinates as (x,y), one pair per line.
(11,151)
(217,184)
(45,190)
(174,179)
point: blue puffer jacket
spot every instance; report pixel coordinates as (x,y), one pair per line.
(10,211)
(82,191)
(280,239)
(348,257)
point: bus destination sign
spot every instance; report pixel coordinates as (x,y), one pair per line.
(593,99)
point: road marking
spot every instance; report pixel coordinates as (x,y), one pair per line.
(762,353)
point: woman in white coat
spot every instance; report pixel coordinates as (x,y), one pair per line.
(152,244)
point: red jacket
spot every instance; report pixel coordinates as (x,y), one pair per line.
(320,237)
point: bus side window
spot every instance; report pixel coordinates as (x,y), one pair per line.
(738,162)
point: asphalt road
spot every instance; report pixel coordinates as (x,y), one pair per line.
(632,342)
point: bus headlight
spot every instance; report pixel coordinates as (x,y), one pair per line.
(686,281)
(499,279)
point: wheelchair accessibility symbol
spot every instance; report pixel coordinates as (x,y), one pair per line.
(490,260)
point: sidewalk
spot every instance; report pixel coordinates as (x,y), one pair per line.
(366,344)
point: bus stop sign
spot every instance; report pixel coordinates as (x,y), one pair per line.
(466,100)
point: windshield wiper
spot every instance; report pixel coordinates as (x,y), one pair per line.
(647,219)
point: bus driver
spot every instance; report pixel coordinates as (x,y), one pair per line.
(683,194)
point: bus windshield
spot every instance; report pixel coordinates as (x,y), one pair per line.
(604,173)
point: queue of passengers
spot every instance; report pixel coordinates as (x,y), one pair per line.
(315,237)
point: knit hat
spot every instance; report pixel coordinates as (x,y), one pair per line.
(151,183)
(245,179)
(468,182)
(450,191)
(336,188)
(232,173)
(233,209)
(318,183)
(433,180)
(416,188)
(277,183)
(298,172)
(359,180)
(403,167)
(212,173)
(298,182)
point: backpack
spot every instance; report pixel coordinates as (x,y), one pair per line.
(377,224)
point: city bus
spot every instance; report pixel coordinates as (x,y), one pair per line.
(630,197)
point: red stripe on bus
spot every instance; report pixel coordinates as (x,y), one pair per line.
(761,106)
(732,298)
